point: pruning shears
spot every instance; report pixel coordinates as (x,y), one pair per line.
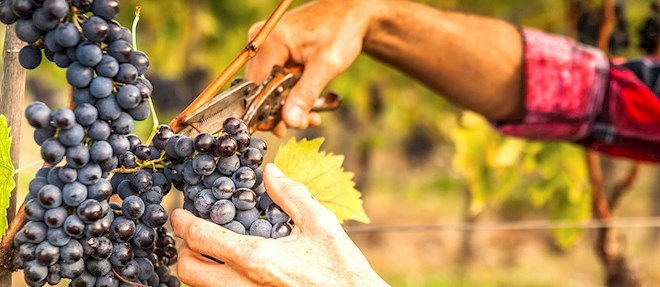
(258,105)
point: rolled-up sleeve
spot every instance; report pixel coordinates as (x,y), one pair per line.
(574,93)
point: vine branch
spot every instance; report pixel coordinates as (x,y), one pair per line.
(249,51)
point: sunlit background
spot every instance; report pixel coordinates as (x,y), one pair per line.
(417,159)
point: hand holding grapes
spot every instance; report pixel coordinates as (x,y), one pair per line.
(318,251)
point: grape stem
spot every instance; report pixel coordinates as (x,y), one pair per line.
(126,281)
(249,51)
(134,28)
(146,164)
(154,118)
(23,168)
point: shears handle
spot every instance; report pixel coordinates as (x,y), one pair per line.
(264,111)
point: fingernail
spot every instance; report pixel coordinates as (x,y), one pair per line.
(296,116)
(273,170)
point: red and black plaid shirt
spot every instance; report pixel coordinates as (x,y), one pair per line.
(574,93)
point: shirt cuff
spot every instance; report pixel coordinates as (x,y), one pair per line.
(565,84)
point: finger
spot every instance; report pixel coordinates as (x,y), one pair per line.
(303,95)
(272,52)
(280,130)
(208,238)
(314,119)
(292,196)
(195,270)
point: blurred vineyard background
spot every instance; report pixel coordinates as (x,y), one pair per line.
(417,158)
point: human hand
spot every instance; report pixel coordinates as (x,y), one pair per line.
(324,36)
(317,253)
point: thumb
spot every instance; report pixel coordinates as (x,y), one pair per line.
(303,95)
(293,197)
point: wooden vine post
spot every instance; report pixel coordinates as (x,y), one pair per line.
(11,105)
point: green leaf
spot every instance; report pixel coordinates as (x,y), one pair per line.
(7,183)
(324,177)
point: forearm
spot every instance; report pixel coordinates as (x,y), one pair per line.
(474,61)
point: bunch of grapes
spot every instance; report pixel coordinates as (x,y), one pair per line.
(590,22)
(222,181)
(73,231)
(650,31)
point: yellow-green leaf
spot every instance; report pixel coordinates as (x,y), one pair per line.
(323,175)
(7,183)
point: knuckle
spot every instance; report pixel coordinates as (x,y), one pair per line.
(254,29)
(196,232)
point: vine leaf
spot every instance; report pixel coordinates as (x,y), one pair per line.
(7,183)
(323,175)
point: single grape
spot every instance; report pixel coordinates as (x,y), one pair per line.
(123,124)
(122,254)
(141,112)
(50,196)
(108,67)
(133,207)
(35,232)
(141,180)
(57,237)
(223,188)
(129,97)
(68,174)
(64,119)
(7,16)
(67,35)
(89,174)
(82,96)
(103,249)
(90,210)
(26,251)
(56,8)
(26,31)
(101,87)
(43,21)
(97,267)
(124,189)
(145,236)
(85,114)
(154,215)
(229,165)
(95,28)
(34,211)
(204,200)
(141,61)
(122,229)
(127,159)
(99,130)
(251,157)
(89,54)
(29,57)
(246,217)
(244,177)
(225,146)
(223,212)
(78,75)
(38,115)
(259,144)
(261,227)
(244,199)
(281,229)
(74,269)
(184,147)
(73,194)
(47,254)
(109,108)
(74,226)
(119,143)
(203,164)
(242,140)
(107,9)
(189,175)
(145,87)
(41,135)
(72,136)
(236,227)
(34,271)
(233,125)
(35,185)
(191,191)
(151,197)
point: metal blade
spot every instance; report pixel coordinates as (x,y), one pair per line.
(230,103)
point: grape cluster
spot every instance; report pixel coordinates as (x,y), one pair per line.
(221,179)
(589,25)
(73,231)
(650,31)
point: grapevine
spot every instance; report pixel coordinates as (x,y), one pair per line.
(73,230)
